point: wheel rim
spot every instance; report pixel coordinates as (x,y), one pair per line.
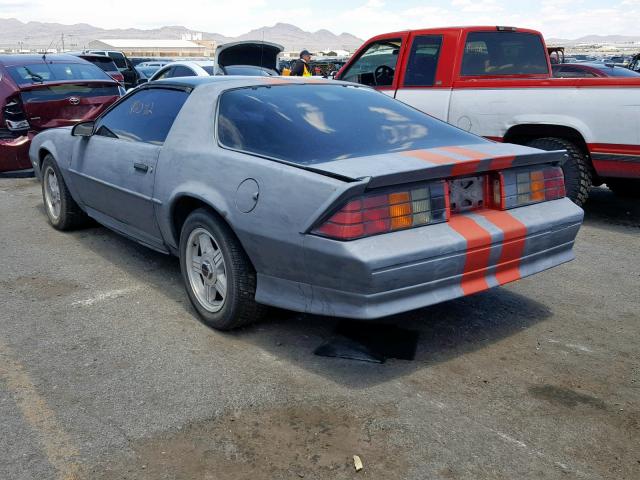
(206,270)
(52,193)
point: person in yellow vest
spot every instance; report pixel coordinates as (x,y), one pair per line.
(301,67)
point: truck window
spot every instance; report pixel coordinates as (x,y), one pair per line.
(423,61)
(503,53)
(376,66)
(118,59)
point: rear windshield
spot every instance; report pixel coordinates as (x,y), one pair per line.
(64,91)
(307,124)
(503,53)
(247,70)
(54,72)
(105,63)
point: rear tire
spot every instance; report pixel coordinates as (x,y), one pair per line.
(217,273)
(624,187)
(62,210)
(578,177)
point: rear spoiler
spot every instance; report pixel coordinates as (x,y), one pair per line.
(436,163)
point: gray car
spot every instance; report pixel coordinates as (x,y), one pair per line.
(311,195)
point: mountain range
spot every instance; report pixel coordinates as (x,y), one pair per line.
(595,39)
(14,33)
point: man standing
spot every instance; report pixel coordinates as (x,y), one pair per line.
(301,67)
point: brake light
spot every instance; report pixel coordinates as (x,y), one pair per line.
(523,186)
(388,210)
(14,116)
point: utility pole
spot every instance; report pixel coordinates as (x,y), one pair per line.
(62,39)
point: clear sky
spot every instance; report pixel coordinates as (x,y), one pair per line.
(555,18)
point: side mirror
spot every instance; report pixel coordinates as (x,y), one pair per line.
(84,129)
(141,81)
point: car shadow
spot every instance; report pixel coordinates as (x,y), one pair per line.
(445,331)
(605,209)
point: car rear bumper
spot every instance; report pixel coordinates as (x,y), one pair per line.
(402,271)
(14,153)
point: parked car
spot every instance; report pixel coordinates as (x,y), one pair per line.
(186,69)
(271,192)
(130,74)
(103,62)
(238,58)
(591,70)
(497,82)
(39,92)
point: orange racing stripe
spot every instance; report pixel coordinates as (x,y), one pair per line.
(430,157)
(478,251)
(514,231)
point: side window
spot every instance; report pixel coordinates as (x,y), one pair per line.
(423,61)
(376,66)
(166,73)
(503,53)
(182,71)
(145,116)
(118,59)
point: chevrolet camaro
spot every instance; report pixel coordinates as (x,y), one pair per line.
(307,194)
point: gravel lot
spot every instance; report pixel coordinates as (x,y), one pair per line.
(105,372)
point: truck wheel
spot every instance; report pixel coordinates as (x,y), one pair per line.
(218,276)
(62,210)
(624,187)
(577,171)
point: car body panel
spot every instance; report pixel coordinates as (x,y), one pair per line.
(366,278)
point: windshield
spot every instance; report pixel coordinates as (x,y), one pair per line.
(105,63)
(307,124)
(55,72)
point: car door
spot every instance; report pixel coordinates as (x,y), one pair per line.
(422,83)
(114,169)
(377,64)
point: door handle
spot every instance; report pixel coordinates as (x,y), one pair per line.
(141,167)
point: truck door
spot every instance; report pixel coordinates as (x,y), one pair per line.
(425,80)
(377,64)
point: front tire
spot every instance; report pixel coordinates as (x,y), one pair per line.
(62,210)
(218,276)
(577,171)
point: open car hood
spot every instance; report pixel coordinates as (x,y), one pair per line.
(249,52)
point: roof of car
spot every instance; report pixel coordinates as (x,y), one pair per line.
(242,81)
(22,59)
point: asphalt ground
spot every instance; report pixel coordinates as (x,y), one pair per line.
(106,373)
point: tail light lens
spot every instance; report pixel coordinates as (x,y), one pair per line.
(14,116)
(387,211)
(523,186)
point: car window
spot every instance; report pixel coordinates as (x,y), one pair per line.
(145,116)
(165,73)
(182,71)
(568,71)
(118,59)
(377,64)
(53,72)
(247,70)
(308,124)
(105,63)
(503,53)
(423,61)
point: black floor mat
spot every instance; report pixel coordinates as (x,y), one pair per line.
(370,342)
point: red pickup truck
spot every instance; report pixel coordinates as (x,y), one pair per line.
(497,82)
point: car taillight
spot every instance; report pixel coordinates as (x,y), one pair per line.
(523,186)
(14,116)
(388,211)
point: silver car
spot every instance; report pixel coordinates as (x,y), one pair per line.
(311,195)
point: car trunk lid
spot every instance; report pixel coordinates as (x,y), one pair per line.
(436,163)
(251,52)
(57,104)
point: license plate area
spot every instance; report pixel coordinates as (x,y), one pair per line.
(467,193)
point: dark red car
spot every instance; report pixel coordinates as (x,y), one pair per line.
(39,92)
